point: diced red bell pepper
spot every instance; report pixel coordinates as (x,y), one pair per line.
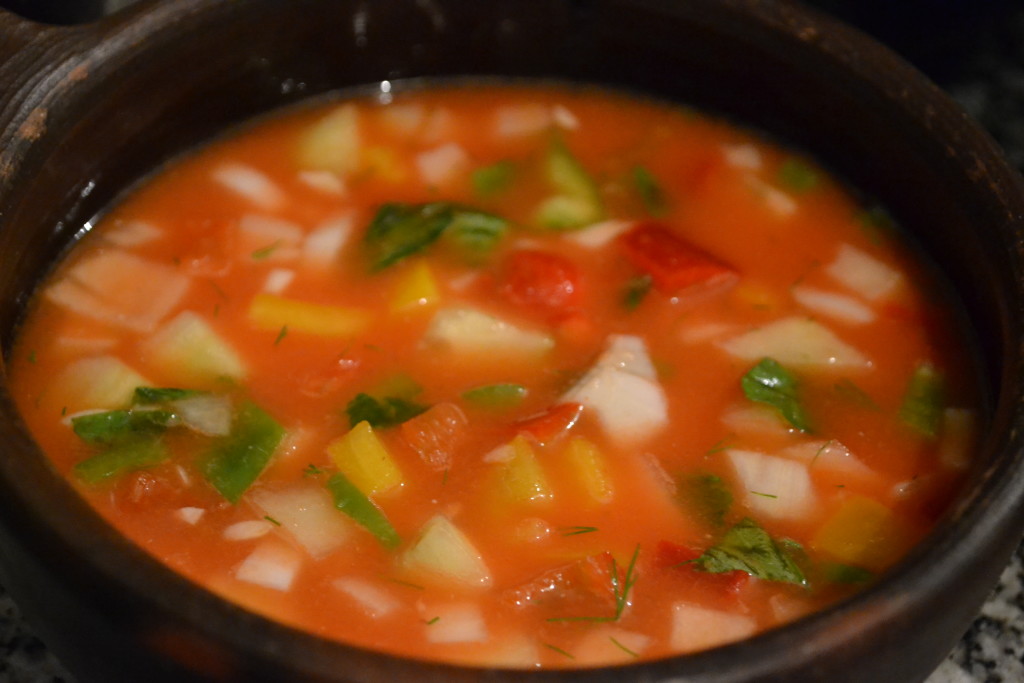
(541,283)
(550,424)
(437,433)
(672,263)
(679,559)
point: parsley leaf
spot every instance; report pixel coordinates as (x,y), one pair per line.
(708,496)
(768,382)
(400,230)
(385,412)
(923,400)
(749,548)
(649,190)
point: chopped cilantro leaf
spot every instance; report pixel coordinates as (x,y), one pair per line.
(707,495)
(635,291)
(650,191)
(385,412)
(768,382)
(492,179)
(923,400)
(798,176)
(747,547)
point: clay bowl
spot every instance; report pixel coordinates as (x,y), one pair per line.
(85,111)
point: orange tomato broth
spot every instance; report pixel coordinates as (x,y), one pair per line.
(724,192)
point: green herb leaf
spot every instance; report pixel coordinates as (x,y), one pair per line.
(149,396)
(650,191)
(768,382)
(747,547)
(577,201)
(496,396)
(354,503)
(708,496)
(126,456)
(636,289)
(474,234)
(237,460)
(116,426)
(386,412)
(400,230)
(266,251)
(798,176)
(923,401)
(492,179)
(847,573)
(577,530)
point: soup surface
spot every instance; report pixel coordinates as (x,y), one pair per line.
(504,375)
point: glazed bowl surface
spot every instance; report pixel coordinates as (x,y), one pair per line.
(87,111)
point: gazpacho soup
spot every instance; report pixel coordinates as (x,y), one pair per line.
(504,375)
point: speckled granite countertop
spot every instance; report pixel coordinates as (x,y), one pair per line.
(978,56)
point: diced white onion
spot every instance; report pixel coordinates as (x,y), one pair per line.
(522,119)
(442,550)
(503,453)
(190,515)
(699,628)
(403,118)
(628,353)
(467,330)
(325,242)
(749,419)
(796,341)
(250,184)
(324,181)
(84,346)
(374,600)
(705,332)
(248,530)
(119,288)
(207,414)
(132,233)
(271,565)
(439,165)
(278,280)
(97,383)
(863,273)
(306,512)
(743,156)
(564,118)
(455,623)
(773,487)
(273,238)
(599,234)
(828,455)
(604,645)
(621,389)
(833,305)
(777,201)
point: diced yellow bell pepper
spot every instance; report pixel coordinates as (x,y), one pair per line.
(416,288)
(364,459)
(522,476)
(272,313)
(862,532)
(383,163)
(589,467)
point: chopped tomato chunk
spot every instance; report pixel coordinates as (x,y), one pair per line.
(679,558)
(550,424)
(585,583)
(541,283)
(437,433)
(672,263)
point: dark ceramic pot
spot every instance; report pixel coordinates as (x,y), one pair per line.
(85,111)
